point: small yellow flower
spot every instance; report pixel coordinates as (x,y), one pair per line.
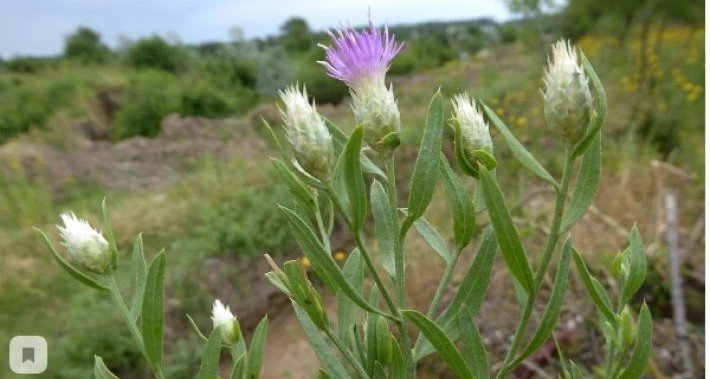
(305,262)
(500,111)
(522,121)
(340,256)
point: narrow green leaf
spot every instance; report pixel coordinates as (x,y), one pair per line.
(519,152)
(508,239)
(354,181)
(441,343)
(432,237)
(152,315)
(239,365)
(255,356)
(473,347)
(639,358)
(385,226)
(138,273)
(585,189)
(635,259)
(371,334)
(347,313)
(339,140)
(461,205)
(297,188)
(273,138)
(554,305)
(320,346)
(595,291)
(426,167)
(322,262)
(71,270)
(100,369)
(196,328)
(599,116)
(398,369)
(209,364)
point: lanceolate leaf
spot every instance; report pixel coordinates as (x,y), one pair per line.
(519,152)
(100,369)
(209,365)
(340,139)
(600,115)
(255,356)
(508,239)
(353,179)
(473,348)
(432,237)
(71,270)
(297,188)
(441,343)
(347,313)
(385,226)
(461,205)
(320,346)
(639,358)
(138,273)
(322,262)
(586,187)
(554,305)
(426,167)
(635,257)
(152,313)
(594,290)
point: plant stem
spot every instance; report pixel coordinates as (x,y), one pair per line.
(400,269)
(550,245)
(137,336)
(319,221)
(443,283)
(347,354)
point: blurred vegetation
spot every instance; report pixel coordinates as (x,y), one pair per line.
(649,55)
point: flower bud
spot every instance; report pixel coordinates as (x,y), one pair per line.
(85,244)
(568,100)
(376,110)
(223,319)
(307,133)
(472,137)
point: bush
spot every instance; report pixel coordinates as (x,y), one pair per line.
(151,96)
(85,45)
(323,88)
(155,52)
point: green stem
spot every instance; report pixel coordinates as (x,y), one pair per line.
(347,354)
(319,221)
(400,269)
(132,327)
(443,283)
(550,245)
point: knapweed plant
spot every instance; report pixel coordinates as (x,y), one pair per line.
(372,332)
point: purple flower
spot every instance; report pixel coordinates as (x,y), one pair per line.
(360,55)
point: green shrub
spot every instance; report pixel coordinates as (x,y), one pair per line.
(155,52)
(85,46)
(321,87)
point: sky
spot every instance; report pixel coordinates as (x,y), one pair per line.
(39,27)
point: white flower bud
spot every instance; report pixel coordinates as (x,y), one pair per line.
(375,108)
(474,129)
(568,100)
(86,245)
(223,319)
(307,133)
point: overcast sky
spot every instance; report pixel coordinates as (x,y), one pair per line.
(38,27)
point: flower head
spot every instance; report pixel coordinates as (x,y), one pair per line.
(568,100)
(85,244)
(306,131)
(222,318)
(358,56)
(474,129)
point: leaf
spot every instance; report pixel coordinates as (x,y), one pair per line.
(443,345)
(100,369)
(461,205)
(599,116)
(585,189)
(473,347)
(71,270)
(347,314)
(152,315)
(554,305)
(635,258)
(322,262)
(426,167)
(510,246)
(339,140)
(256,349)
(595,291)
(209,364)
(398,369)
(196,328)
(519,152)
(319,345)
(353,179)
(297,188)
(432,237)
(385,226)
(639,358)
(138,273)
(238,367)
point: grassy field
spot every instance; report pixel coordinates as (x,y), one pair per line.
(204,190)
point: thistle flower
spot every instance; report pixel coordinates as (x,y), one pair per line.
(473,139)
(568,100)
(307,133)
(222,318)
(361,60)
(85,244)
